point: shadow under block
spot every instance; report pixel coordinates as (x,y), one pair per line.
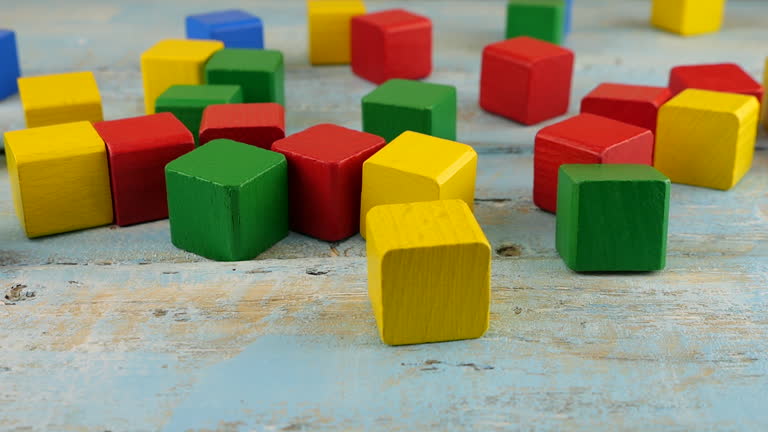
(174,61)
(259,72)
(688,17)
(9,66)
(329,29)
(403,105)
(138,149)
(612,217)
(429,268)
(325,170)
(725,77)
(541,19)
(584,139)
(236,28)
(63,98)
(707,138)
(633,104)
(257,124)
(187,102)
(526,80)
(227,201)
(59,178)
(417,167)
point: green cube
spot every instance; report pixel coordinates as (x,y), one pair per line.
(612,217)
(258,72)
(541,19)
(403,105)
(228,201)
(187,102)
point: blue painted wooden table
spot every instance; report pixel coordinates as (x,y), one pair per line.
(114,329)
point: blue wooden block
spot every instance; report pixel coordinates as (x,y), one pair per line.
(9,64)
(568,15)
(236,28)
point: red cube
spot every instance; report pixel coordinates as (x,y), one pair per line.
(325,174)
(391,44)
(526,79)
(138,149)
(725,77)
(633,104)
(584,139)
(257,124)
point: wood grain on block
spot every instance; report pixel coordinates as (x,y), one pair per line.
(724,77)
(259,72)
(236,28)
(9,67)
(329,29)
(187,102)
(688,17)
(633,104)
(541,19)
(61,98)
(257,124)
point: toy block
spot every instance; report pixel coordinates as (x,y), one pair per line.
(707,138)
(764,104)
(612,217)
(258,72)
(568,17)
(633,104)
(59,178)
(526,80)
(402,105)
(584,139)
(726,77)
(187,102)
(540,19)
(429,270)
(64,98)
(325,170)
(417,167)
(138,149)
(257,124)
(688,17)
(329,29)
(174,61)
(9,67)
(391,44)
(227,201)
(236,28)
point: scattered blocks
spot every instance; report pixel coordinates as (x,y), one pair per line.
(429,268)
(325,169)
(612,217)
(707,138)
(633,104)
(416,167)
(402,105)
(228,201)
(584,139)
(542,19)
(59,178)
(63,98)
(688,17)
(726,77)
(391,44)
(257,124)
(258,72)
(236,28)
(9,67)
(138,149)
(526,80)
(187,102)
(329,29)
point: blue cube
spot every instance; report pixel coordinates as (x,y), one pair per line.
(9,64)
(236,28)
(568,16)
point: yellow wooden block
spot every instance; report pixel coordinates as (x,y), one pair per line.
(429,272)
(62,98)
(765,95)
(329,23)
(417,167)
(706,138)
(174,61)
(59,178)
(688,17)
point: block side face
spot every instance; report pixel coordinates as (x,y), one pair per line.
(544,20)
(55,142)
(368,51)
(246,35)
(668,15)
(374,263)
(636,150)
(443,116)
(461,182)
(408,52)
(411,94)
(745,144)
(505,86)
(567,222)
(702,16)
(14,178)
(258,86)
(329,31)
(550,88)
(59,90)
(639,113)
(389,121)
(10,71)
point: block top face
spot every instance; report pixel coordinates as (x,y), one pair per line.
(336,6)
(727,77)
(592,133)
(242,59)
(6,33)
(245,115)
(143,133)
(225,17)
(612,173)
(410,94)
(183,49)
(630,93)
(741,106)
(50,91)
(54,142)
(526,50)
(328,143)
(194,95)
(395,20)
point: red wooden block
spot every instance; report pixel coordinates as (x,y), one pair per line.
(391,44)
(633,104)
(584,139)
(526,79)
(257,124)
(325,171)
(725,77)
(138,149)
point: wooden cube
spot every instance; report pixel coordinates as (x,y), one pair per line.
(325,170)
(62,98)
(171,62)
(612,217)
(257,124)
(236,28)
(403,105)
(429,271)
(568,17)
(584,139)
(725,77)
(228,201)
(526,80)
(391,44)
(138,149)
(59,178)
(258,72)
(9,67)
(417,167)
(633,104)
(187,102)
(707,138)
(329,29)
(688,17)
(764,105)
(541,19)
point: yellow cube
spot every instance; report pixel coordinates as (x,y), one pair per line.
(417,167)
(59,178)
(174,61)
(429,272)
(62,98)
(765,96)
(329,23)
(706,138)
(688,17)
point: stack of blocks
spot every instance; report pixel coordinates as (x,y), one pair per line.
(235,28)
(329,24)
(9,68)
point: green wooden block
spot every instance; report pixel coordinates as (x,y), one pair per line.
(541,19)
(187,102)
(228,201)
(258,72)
(400,105)
(612,217)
